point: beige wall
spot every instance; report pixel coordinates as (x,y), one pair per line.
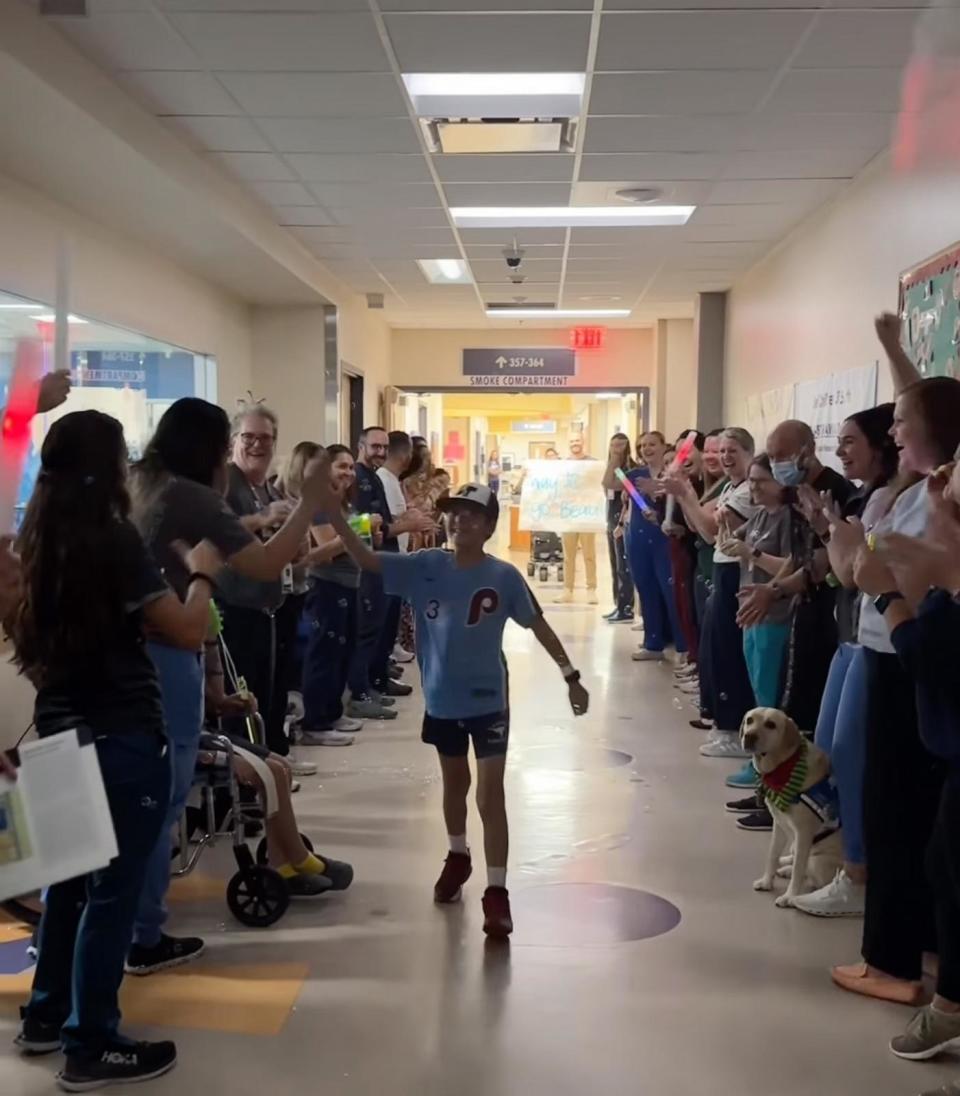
(433,358)
(808,308)
(364,344)
(676,377)
(123,283)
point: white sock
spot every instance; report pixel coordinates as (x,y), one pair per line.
(496,877)
(458,844)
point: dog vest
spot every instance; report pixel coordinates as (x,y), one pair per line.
(781,788)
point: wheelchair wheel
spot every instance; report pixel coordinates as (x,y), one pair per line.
(262,848)
(257,897)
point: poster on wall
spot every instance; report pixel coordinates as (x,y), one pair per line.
(824,403)
(766,409)
(563,496)
(930,313)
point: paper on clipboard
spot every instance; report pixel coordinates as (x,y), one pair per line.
(55,820)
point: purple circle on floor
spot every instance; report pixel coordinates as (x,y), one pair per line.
(566,759)
(561,915)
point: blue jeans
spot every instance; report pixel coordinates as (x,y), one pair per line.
(842,733)
(649,556)
(181,684)
(765,648)
(371,615)
(331,616)
(87,922)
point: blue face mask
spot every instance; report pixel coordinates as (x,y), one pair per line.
(788,473)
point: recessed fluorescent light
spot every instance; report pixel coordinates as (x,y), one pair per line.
(556,313)
(609,395)
(19,307)
(500,84)
(49,317)
(568,216)
(445,271)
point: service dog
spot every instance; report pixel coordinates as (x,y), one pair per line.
(795,782)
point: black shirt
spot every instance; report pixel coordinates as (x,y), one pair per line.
(372,499)
(115,690)
(804,541)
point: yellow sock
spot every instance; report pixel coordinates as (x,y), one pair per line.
(287,871)
(313,865)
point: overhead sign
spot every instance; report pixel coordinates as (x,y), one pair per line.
(519,367)
(563,496)
(534,426)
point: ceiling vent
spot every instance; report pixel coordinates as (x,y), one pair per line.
(521,303)
(375,300)
(454,136)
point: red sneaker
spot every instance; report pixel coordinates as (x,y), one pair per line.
(456,871)
(497,921)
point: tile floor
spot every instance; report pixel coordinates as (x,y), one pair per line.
(643,962)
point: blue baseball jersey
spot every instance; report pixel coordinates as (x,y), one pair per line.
(461,613)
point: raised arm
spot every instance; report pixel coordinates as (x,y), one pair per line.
(361,553)
(902,369)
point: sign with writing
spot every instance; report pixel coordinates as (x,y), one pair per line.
(535,426)
(826,402)
(549,361)
(563,496)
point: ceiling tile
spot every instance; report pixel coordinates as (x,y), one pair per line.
(650,236)
(661,133)
(220,134)
(319,236)
(179,92)
(775,216)
(810,164)
(255,166)
(698,40)
(825,89)
(536,270)
(283,194)
(130,40)
(364,196)
(544,168)
(678,92)
(303,215)
(770,130)
(283,41)
(494,252)
(775,191)
(346,168)
(651,167)
(329,135)
(316,94)
(704,233)
(389,217)
(264,5)
(485,5)
(847,39)
(671,191)
(503,236)
(490,43)
(507,194)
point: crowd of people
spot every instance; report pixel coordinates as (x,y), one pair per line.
(781,583)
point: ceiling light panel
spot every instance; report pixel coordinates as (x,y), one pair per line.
(496,94)
(568,216)
(445,271)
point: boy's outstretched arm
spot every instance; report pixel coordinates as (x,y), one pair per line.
(548,640)
(363,556)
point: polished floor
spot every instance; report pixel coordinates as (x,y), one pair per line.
(643,962)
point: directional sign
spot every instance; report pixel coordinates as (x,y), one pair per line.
(522,361)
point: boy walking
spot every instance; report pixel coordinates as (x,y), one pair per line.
(462,600)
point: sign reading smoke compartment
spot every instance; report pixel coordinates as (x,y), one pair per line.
(520,361)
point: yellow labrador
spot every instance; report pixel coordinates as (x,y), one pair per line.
(795,780)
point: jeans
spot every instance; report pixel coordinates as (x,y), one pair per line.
(181,685)
(386,641)
(332,621)
(87,922)
(842,734)
(764,648)
(649,555)
(620,578)
(726,692)
(371,613)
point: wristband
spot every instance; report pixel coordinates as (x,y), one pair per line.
(199,575)
(570,674)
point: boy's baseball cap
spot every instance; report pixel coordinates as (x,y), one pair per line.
(473,494)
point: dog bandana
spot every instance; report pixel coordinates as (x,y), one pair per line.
(782,789)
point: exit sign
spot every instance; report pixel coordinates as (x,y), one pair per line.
(587,338)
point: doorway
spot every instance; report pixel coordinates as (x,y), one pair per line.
(351,409)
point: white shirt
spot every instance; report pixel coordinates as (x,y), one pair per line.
(737,499)
(909,516)
(395,500)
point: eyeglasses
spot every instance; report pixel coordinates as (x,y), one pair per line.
(263,439)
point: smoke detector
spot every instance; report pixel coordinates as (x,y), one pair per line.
(640,195)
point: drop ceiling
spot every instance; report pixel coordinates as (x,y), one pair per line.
(757,113)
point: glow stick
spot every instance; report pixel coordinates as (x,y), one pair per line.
(15,438)
(683,453)
(632,491)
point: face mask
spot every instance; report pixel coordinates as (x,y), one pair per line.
(788,473)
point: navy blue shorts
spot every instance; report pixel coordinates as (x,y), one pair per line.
(490,735)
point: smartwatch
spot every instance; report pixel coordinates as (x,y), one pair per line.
(883,602)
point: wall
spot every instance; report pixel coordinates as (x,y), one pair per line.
(679,380)
(365,344)
(122,283)
(808,308)
(432,359)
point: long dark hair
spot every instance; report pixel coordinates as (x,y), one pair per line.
(628,462)
(875,424)
(334,451)
(69,548)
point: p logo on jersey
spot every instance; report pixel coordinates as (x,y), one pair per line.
(483,603)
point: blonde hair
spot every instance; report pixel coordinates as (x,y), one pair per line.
(290,479)
(742,437)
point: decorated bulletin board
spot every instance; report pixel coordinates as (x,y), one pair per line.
(930,310)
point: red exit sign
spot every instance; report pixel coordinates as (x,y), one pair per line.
(587,338)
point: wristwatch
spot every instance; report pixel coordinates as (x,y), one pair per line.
(570,674)
(883,602)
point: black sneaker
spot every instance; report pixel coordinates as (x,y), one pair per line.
(308,885)
(395,688)
(36,1036)
(395,671)
(338,872)
(119,1064)
(620,618)
(172,951)
(758,822)
(702,724)
(750,805)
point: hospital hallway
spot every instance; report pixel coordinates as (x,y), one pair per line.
(642,961)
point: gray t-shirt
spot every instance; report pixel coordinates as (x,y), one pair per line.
(248,593)
(341,569)
(770,533)
(185,510)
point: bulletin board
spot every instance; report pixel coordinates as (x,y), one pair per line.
(930,311)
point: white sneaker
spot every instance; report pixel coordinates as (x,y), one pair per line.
(401,654)
(841,898)
(326,738)
(643,655)
(724,744)
(592,598)
(295,705)
(301,768)
(637,627)
(692,688)
(563,599)
(348,725)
